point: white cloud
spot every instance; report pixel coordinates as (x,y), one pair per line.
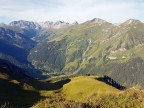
(72,10)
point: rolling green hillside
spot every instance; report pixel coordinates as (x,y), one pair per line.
(88,92)
(82,87)
(18,90)
(95,47)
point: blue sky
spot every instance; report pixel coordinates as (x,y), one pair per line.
(114,11)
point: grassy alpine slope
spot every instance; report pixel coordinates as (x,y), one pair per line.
(82,87)
(18,90)
(87,92)
(95,47)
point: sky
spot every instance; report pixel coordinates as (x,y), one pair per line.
(114,11)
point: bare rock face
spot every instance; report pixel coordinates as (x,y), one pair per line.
(46,24)
(97,21)
(131,22)
(25,24)
(53,25)
(75,23)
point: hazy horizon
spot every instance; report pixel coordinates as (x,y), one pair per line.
(71,10)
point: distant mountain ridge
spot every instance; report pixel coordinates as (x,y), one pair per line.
(93,47)
(60,24)
(37,26)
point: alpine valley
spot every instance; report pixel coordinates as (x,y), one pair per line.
(59,52)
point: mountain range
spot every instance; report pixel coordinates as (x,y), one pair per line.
(94,47)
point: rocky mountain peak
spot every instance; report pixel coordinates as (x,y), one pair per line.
(53,25)
(98,21)
(25,24)
(2,24)
(131,22)
(58,22)
(75,23)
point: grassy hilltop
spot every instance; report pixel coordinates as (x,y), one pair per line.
(87,92)
(18,90)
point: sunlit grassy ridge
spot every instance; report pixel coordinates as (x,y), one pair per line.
(87,92)
(84,86)
(18,91)
(66,92)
